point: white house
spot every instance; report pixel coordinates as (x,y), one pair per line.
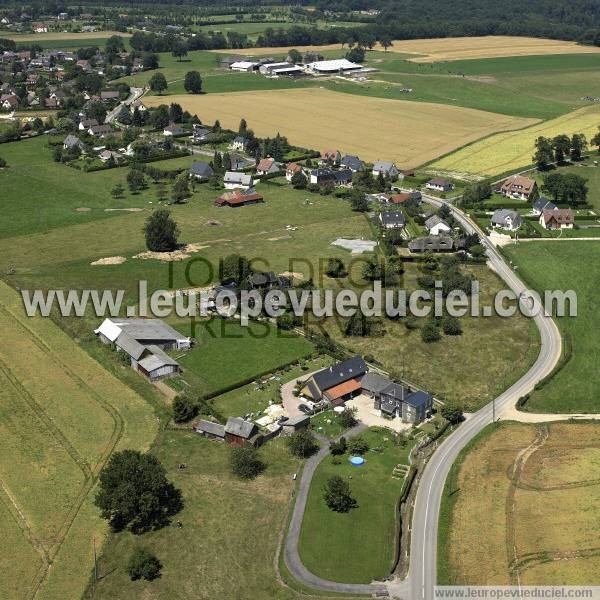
(436,225)
(240,143)
(267,166)
(559,218)
(506,219)
(233,180)
(386,168)
(439,184)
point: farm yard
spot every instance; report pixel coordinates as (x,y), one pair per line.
(428,130)
(518,479)
(566,266)
(60,424)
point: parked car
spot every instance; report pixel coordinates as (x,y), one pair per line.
(307,410)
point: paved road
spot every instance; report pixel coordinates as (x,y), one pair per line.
(422,574)
(134,94)
(423,554)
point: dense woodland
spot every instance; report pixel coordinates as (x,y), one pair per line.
(406,19)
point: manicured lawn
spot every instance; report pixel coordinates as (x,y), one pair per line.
(228,354)
(327,424)
(567,266)
(358,546)
(230,532)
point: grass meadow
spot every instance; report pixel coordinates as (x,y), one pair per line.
(227,545)
(530,539)
(567,266)
(61,421)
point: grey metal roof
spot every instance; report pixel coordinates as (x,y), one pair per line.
(210,427)
(297,421)
(374,382)
(354,367)
(72,140)
(156,359)
(148,329)
(239,427)
(241,178)
(130,345)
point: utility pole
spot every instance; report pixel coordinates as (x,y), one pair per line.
(95,562)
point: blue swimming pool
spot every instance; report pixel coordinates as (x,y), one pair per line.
(357,461)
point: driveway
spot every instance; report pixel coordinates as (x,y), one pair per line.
(291,402)
(367,415)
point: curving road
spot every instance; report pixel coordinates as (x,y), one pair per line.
(421,578)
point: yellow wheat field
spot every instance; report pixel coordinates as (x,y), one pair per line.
(511,150)
(458,48)
(462,48)
(410,133)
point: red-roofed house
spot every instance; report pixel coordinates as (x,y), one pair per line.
(239,198)
(291,170)
(334,156)
(267,166)
(518,186)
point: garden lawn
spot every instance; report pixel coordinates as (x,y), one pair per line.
(229,355)
(358,546)
(567,266)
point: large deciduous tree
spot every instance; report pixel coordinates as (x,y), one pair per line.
(161,231)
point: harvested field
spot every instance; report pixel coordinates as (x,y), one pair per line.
(66,36)
(427,130)
(58,427)
(518,479)
(510,150)
(491,46)
(457,48)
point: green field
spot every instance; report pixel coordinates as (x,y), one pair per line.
(493,351)
(358,546)
(231,528)
(228,354)
(541,87)
(567,266)
(61,421)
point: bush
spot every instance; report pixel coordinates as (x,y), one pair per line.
(347,419)
(451,326)
(246,463)
(358,445)
(337,494)
(338,448)
(143,565)
(430,333)
(452,413)
(302,443)
(185,408)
